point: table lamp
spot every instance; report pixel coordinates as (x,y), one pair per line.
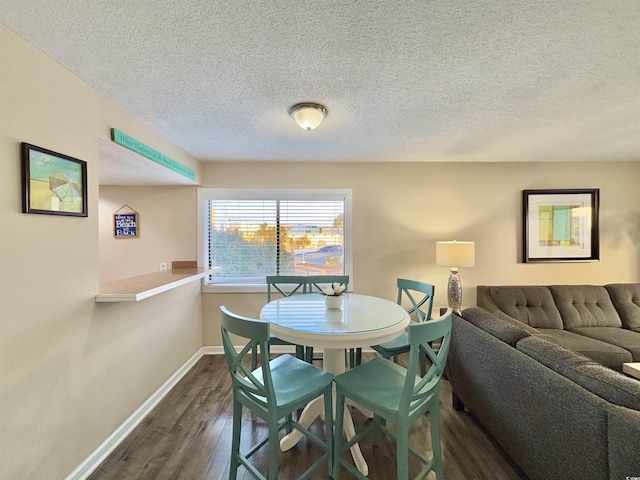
(455,254)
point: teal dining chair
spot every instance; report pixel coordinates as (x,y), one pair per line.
(285,285)
(419,299)
(316,284)
(397,395)
(420,304)
(272,392)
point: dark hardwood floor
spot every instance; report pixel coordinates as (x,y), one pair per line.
(188,436)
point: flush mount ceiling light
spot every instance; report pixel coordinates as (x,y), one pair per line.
(308,115)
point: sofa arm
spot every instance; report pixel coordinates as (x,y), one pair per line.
(506,329)
(602,381)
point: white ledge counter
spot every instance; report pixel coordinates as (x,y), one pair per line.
(134,289)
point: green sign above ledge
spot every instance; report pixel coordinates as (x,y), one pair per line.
(132,144)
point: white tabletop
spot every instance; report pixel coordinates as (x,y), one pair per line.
(360,322)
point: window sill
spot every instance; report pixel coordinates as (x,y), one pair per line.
(234,288)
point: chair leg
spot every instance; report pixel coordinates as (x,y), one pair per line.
(235,439)
(337,438)
(377,435)
(308,354)
(403,450)
(355,357)
(289,425)
(328,425)
(300,352)
(274,448)
(434,424)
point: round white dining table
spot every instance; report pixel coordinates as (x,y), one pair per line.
(361,321)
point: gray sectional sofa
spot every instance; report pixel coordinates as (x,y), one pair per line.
(537,366)
(601,322)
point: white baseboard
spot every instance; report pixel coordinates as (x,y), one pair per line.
(213,350)
(92,462)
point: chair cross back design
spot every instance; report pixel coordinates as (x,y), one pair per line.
(427,290)
(276,282)
(398,395)
(420,296)
(268,394)
(241,374)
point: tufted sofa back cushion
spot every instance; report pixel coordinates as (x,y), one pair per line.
(532,305)
(585,306)
(626,300)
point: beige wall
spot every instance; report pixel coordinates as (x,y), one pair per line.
(401,210)
(167,219)
(72,371)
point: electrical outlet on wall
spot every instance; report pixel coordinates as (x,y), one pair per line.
(163,267)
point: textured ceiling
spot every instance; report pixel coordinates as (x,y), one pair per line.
(456,80)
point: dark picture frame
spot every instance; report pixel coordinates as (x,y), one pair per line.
(53,183)
(561,225)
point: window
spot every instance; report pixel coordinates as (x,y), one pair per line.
(252,233)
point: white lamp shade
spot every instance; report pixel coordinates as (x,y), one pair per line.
(308,116)
(455,254)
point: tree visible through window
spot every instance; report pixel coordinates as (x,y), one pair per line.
(250,239)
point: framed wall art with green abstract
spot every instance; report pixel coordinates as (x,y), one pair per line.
(561,225)
(53,183)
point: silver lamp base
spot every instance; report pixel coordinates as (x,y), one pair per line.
(454,291)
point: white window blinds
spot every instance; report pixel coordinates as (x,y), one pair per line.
(252,238)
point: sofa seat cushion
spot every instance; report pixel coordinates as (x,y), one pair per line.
(533,306)
(585,306)
(599,380)
(626,300)
(609,355)
(507,331)
(621,337)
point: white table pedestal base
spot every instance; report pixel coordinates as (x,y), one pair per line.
(334,362)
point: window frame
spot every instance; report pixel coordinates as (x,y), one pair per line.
(207,194)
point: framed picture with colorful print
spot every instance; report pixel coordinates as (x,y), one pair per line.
(561,225)
(53,183)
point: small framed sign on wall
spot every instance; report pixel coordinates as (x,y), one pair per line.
(126,223)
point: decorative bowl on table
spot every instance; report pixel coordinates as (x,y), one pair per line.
(333,294)
(333,301)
